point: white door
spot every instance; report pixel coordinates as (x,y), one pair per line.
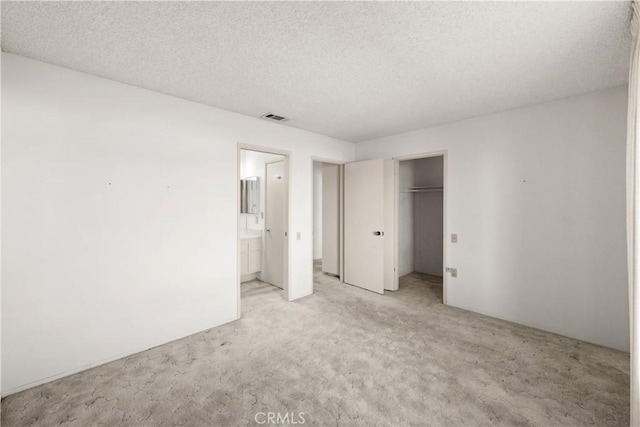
(274,238)
(364,254)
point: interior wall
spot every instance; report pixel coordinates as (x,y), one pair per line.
(537,198)
(120,217)
(317,210)
(428,214)
(406,246)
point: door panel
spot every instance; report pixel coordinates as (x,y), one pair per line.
(364,255)
(274,224)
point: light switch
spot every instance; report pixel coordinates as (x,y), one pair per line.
(298,235)
(454,238)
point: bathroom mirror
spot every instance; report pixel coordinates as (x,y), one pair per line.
(250,195)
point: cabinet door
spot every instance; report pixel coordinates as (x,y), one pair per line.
(244,257)
(255,244)
(244,263)
(255,258)
(255,255)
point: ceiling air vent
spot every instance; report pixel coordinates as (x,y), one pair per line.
(274,117)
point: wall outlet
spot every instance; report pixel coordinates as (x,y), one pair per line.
(454,238)
(453,271)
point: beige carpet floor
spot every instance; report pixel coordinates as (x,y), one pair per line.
(345,357)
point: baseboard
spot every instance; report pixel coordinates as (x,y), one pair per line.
(536,327)
(55,377)
(248,277)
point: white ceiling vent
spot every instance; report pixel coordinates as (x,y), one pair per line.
(274,117)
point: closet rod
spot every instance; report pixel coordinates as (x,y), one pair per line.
(430,190)
(424,187)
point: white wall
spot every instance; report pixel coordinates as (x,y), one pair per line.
(317,210)
(120,217)
(537,197)
(428,216)
(406,246)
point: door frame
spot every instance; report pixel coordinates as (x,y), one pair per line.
(341,164)
(287,265)
(396,211)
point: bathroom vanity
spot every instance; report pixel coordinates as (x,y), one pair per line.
(250,254)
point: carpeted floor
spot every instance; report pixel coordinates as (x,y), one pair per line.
(345,356)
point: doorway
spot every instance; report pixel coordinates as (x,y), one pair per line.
(420,222)
(263,224)
(327,218)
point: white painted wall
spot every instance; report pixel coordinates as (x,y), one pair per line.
(406,247)
(317,210)
(428,216)
(120,217)
(537,197)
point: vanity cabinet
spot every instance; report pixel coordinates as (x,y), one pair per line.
(250,255)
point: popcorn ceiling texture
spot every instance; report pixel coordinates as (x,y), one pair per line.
(355,71)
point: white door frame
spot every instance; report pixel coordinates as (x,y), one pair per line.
(287,168)
(340,163)
(396,209)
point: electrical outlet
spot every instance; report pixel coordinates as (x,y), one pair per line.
(454,238)
(453,271)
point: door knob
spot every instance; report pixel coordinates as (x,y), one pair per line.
(378,233)
(268,230)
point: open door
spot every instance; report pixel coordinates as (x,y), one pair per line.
(274,236)
(365,207)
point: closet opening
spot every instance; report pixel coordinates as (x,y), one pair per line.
(421,218)
(327,221)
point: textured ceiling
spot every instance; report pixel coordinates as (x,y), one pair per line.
(355,71)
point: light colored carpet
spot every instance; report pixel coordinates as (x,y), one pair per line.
(345,356)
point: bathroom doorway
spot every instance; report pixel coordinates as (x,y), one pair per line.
(263,225)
